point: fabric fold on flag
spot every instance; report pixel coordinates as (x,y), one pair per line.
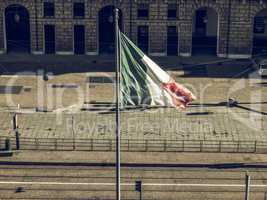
(143,82)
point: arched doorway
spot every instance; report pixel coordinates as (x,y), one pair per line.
(260,33)
(106,29)
(17,29)
(205,31)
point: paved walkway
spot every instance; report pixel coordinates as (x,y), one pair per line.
(146,157)
(211,83)
(213,123)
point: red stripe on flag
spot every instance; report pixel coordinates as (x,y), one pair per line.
(181,96)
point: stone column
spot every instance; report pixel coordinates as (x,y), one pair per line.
(222,40)
(64,38)
(37,29)
(92,29)
(133,23)
(64,27)
(32,20)
(185,38)
(240,37)
(92,38)
(126,12)
(185,29)
(158,28)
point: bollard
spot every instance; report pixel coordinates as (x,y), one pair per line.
(7,150)
(247,187)
(138,188)
(15,121)
(8,145)
(17,140)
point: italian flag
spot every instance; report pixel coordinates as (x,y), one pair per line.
(143,82)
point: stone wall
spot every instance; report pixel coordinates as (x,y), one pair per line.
(235,24)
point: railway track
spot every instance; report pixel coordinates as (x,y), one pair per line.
(66,182)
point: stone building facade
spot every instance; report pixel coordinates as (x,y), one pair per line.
(227,28)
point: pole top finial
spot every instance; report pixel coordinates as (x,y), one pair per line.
(116,10)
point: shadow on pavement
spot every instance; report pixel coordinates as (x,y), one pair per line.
(263,84)
(196,66)
(251,110)
(138,165)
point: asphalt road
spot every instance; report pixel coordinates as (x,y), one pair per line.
(61,182)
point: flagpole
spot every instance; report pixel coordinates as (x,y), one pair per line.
(118,164)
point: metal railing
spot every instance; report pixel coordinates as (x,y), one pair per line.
(131,145)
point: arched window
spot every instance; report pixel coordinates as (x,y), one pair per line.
(260,33)
(17,29)
(106,29)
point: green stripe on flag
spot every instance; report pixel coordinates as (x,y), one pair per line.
(134,90)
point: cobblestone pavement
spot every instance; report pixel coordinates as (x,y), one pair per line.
(194,124)
(208,118)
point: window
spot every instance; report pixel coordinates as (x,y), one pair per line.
(79,39)
(201,23)
(143,38)
(172,31)
(259,25)
(172,40)
(49,9)
(172,12)
(78,10)
(143,11)
(50,37)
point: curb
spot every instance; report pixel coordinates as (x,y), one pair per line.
(137,165)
